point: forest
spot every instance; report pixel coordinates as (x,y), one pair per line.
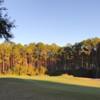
(81,59)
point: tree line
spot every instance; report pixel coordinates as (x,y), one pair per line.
(80,59)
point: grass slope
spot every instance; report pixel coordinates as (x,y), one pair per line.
(22,89)
(65,79)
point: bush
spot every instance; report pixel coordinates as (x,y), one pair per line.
(42,70)
(31,71)
(27,70)
(23,70)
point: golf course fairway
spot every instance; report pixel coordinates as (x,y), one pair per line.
(23,89)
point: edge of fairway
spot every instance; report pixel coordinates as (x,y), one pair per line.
(63,79)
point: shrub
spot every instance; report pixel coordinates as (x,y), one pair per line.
(42,70)
(31,71)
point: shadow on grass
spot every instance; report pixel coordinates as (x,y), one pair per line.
(54,85)
(46,90)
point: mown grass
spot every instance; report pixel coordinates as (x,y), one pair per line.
(23,89)
(65,79)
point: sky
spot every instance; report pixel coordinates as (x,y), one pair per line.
(54,21)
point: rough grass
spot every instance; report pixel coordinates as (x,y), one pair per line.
(65,79)
(22,89)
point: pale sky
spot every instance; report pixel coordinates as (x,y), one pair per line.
(54,21)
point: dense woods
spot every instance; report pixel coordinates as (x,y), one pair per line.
(80,59)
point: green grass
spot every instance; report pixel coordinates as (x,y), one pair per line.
(22,89)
